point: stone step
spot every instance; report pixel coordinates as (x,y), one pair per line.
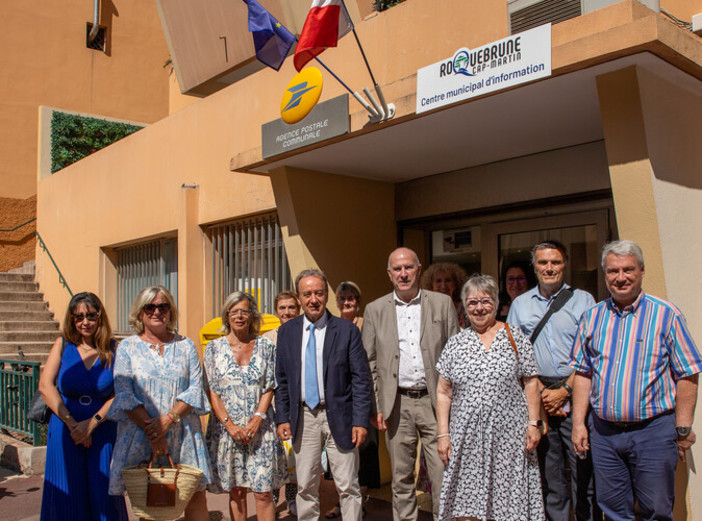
(25,325)
(23,305)
(28,357)
(22,337)
(7,348)
(16,277)
(21,295)
(23,286)
(31,316)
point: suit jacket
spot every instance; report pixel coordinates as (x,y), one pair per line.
(438,323)
(347,383)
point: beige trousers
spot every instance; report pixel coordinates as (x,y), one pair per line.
(314,435)
(412,419)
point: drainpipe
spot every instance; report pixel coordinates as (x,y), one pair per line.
(96,17)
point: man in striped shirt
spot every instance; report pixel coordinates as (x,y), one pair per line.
(637,363)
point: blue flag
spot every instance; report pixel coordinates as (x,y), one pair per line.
(271,39)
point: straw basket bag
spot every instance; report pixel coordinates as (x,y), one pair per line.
(162,493)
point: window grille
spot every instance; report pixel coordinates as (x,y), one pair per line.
(543,12)
(249,255)
(142,265)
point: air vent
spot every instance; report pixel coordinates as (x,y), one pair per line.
(539,13)
(98,44)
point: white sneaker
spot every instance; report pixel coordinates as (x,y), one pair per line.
(292,508)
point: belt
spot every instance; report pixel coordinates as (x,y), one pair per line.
(320,406)
(627,426)
(413,393)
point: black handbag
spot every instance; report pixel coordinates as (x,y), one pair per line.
(38,411)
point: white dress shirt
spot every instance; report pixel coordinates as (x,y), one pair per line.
(319,333)
(409,320)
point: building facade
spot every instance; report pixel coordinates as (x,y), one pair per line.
(606,146)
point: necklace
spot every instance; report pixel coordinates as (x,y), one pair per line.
(156,346)
(238,345)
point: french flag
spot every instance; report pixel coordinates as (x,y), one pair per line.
(327,21)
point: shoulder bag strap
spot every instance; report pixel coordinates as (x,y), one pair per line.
(511,341)
(560,301)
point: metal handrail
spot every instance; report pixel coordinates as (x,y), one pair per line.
(18,383)
(18,226)
(62,280)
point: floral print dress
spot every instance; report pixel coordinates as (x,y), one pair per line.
(261,464)
(144,377)
(490,475)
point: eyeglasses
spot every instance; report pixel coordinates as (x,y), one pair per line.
(163,308)
(512,280)
(91,317)
(235,312)
(473,303)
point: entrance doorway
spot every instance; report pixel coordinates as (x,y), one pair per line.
(492,243)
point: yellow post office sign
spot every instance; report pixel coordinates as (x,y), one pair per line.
(301,95)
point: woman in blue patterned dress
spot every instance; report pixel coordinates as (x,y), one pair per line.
(159,396)
(77,386)
(245,451)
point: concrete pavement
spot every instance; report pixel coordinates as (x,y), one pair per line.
(20,500)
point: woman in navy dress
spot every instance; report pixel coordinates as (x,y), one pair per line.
(77,386)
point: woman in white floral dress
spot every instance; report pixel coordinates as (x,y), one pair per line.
(159,396)
(488,425)
(245,451)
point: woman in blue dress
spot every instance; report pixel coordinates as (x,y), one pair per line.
(77,386)
(159,396)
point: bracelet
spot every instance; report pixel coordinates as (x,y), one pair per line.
(568,388)
(442,435)
(260,415)
(225,420)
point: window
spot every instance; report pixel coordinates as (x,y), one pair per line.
(249,255)
(141,265)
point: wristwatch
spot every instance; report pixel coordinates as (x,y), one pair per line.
(260,415)
(536,423)
(174,416)
(683,431)
(98,418)
(568,388)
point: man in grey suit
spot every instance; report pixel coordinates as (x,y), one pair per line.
(404,333)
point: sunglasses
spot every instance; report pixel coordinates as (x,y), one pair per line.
(91,317)
(163,308)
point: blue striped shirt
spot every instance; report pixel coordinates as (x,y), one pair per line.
(634,357)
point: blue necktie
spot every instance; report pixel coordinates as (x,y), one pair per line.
(311,390)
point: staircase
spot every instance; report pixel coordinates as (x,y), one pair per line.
(25,320)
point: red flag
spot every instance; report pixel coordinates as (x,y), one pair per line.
(327,21)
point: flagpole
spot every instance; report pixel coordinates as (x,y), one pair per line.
(356,95)
(386,112)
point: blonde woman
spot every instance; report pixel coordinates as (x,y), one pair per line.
(159,396)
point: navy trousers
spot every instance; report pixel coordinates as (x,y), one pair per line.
(636,461)
(556,454)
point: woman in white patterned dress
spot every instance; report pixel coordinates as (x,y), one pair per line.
(159,396)
(245,451)
(488,425)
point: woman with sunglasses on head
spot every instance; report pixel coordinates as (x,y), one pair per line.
(159,396)
(77,385)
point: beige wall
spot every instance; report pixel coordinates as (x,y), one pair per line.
(652,131)
(577,169)
(341,225)
(44,61)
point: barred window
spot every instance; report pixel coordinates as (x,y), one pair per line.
(249,255)
(141,265)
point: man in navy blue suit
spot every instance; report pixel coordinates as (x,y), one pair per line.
(323,397)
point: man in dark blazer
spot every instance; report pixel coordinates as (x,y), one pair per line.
(404,333)
(323,397)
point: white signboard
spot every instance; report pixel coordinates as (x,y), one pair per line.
(469,73)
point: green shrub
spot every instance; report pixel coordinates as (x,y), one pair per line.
(75,137)
(382,5)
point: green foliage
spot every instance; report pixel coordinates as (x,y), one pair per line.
(382,5)
(74,137)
